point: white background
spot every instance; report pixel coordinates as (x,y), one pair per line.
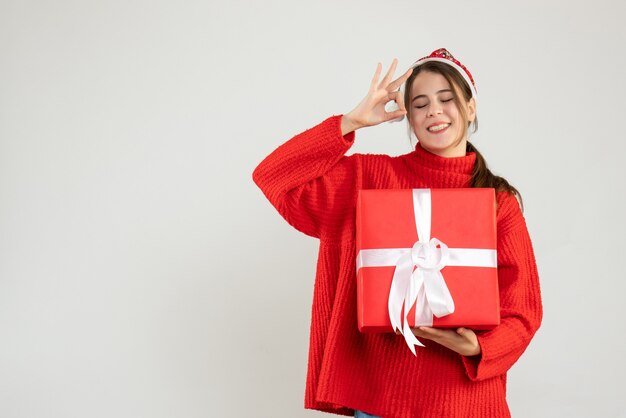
(143,274)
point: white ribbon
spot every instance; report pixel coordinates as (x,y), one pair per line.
(417,278)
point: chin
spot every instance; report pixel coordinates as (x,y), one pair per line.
(440,143)
(435,145)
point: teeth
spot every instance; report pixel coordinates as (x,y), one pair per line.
(439,127)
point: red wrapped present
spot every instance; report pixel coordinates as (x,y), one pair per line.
(426,257)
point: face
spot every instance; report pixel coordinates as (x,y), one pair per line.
(433,106)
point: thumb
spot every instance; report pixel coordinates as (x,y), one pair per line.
(396,116)
(460,331)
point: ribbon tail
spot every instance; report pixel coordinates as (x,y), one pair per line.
(439,298)
(399,288)
(410,339)
(423,314)
(416,287)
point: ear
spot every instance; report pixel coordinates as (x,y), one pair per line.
(471,109)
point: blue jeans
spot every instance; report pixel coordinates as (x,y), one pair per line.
(360,414)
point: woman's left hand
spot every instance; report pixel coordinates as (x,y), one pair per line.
(463,340)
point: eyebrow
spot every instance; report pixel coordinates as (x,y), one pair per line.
(423,95)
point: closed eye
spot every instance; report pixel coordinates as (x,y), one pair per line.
(444,101)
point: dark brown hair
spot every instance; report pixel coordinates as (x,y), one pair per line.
(481,175)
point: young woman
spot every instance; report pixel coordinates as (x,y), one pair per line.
(314,186)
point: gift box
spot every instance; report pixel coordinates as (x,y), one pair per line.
(426,257)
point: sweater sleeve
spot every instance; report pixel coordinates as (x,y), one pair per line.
(310,181)
(521,308)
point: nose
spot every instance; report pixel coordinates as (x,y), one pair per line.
(434,108)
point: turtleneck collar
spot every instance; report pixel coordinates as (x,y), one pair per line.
(457,165)
(437,171)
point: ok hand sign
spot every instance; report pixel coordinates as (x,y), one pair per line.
(371,111)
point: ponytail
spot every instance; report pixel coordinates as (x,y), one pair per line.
(483,177)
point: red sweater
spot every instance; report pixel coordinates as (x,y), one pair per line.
(313,185)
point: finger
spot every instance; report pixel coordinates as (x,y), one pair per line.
(462,332)
(394,115)
(468,335)
(428,332)
(376,75)
(392,69)
(399,98)
(400,80)
(421,334)
(445,337)
(432,332)
(442,334)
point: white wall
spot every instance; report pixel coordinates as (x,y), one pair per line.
(143,274)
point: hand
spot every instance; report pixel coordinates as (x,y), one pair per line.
(463,340)
(371,111)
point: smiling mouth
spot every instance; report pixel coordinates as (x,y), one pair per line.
(438,128)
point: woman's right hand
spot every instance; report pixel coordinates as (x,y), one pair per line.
(371,111)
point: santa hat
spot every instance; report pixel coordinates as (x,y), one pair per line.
(442,55)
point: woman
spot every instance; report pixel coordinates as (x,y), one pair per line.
(314,187)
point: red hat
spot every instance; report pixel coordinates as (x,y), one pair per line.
(443,55)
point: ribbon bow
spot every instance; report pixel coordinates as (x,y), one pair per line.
(425,284)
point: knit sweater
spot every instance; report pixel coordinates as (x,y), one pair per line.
(314,187)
